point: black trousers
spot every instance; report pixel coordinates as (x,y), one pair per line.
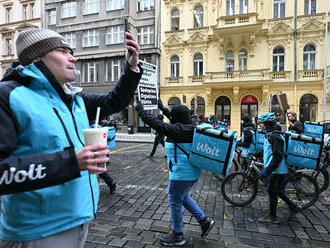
(158,139)
(275,190)
(106,178)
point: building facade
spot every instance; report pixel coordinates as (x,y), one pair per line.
(15,16)
(228,57)
(95,29)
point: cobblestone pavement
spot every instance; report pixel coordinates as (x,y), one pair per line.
(138,212)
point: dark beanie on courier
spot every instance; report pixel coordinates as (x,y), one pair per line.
(180,114)
(34,43)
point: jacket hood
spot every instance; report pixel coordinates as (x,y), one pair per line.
(180,114)
(247,121)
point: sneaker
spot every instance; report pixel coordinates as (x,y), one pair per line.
(269,220)
(112,187)
(293,212)
(206,226)
(176,239)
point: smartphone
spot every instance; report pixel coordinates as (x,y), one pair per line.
(126,30)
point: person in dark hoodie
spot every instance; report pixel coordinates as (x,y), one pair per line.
(247,143)
(275,168)
(182,175)
(295,125)
(159,138)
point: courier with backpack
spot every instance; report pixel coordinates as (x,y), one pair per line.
(212,148)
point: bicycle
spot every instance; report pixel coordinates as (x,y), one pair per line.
(301,189)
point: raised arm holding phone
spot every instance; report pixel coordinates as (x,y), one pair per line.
(49,192)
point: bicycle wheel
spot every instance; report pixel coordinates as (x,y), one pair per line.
(233,188)
(234,167)
(301,189)
(322,178)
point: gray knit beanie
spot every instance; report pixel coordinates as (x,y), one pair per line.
(36,42)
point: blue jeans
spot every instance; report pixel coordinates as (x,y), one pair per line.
(178,197)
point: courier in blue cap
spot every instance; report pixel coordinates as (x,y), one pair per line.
(275,168)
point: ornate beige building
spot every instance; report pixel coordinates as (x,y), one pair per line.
(233,54)
(15,15)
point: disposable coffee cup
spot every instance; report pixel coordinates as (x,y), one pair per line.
(96,136)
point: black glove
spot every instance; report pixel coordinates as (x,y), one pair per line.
(139,106)
(160,105)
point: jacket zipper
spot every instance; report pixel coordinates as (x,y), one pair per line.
(72,146)
(89,175)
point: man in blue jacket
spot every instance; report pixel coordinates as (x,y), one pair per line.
(49,192)
(182,175)
(275,168)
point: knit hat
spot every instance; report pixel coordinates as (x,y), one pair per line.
(36,42)
(181,114)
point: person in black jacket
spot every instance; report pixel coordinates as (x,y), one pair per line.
(159,138)
(295,125)
(182,175)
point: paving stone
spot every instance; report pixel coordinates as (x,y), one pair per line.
(118,242)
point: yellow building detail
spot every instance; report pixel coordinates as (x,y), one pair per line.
(234,54)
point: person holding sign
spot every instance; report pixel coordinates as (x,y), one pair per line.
(49,190)
(182,175)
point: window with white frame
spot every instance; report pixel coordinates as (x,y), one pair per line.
(9,46)
(175,19)
(90,38)
(91,6)
(9,14)
(146,35)
(52,17)
(230,60)
(310,7)
(278,59)
(243,6)
(114,35)
(25,11)
(69,9)
(71,39)
(230,7)
(32,10)
(113,69)
(279,8)
(144,5)
(198,64)
(309,57)
(242,60)
(91,72)
(198,17)
(115,4)
(175,66)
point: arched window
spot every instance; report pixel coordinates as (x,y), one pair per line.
(242,60)
(173,101)
(175,20)
(278,59)
(175,66)
(308,108)
(198,17)
(230,60)
(198,64)
(222,109)
(200,105)
(309,57)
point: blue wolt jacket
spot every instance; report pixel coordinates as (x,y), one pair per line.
(43,191)
(178,134)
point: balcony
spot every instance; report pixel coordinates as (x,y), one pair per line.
(196,79)
(280,75)
(237,20)
(171,81)
(237,76)
(308,75)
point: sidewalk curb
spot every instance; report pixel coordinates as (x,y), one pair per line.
(136,138)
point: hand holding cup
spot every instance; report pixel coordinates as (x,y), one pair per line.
(91,156)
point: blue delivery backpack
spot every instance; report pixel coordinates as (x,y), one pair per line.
(259,139)
(314,129)
(303,151)
(212,148)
